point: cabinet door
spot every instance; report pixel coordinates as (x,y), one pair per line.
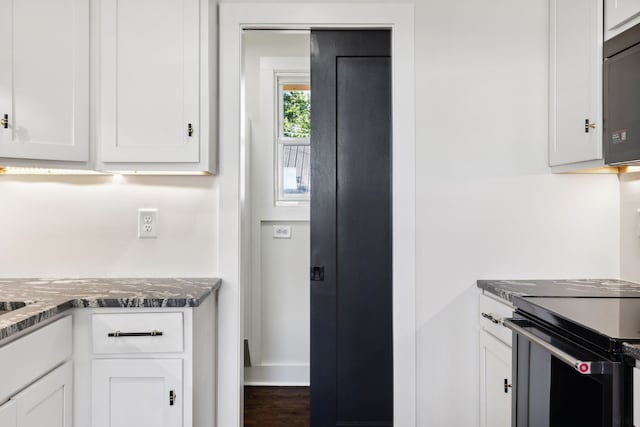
(47,402)
(136,392)
(148,81)
(8,414)
(617,12)
(636,397)
(44,79)
(575,81)
(495,369)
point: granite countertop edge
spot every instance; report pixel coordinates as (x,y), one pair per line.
(48,298)
(508,289)
(632,350)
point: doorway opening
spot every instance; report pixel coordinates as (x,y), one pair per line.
(233,254)
(277,95)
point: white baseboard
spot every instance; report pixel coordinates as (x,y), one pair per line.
(277,375)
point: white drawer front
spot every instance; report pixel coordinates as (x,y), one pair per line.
(137,333)
(498,310)
(29,357)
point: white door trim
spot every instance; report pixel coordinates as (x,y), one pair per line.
(233,19)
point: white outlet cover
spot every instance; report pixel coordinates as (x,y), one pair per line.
(281,231)
(147,223)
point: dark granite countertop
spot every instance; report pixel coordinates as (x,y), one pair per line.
(32,301)
(507,289)
(632,350)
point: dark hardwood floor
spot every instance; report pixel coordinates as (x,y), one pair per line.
(276,406)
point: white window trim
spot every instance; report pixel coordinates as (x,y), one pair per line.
(283,78)
(232,256)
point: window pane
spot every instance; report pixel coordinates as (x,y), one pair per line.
(296,110)
(295,184)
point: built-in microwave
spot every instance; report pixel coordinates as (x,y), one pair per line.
(621,91)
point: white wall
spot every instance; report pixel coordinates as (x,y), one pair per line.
(487,205)
(630,227)
(86,226)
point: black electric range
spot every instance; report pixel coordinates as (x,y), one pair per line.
(603,322)
(569,368)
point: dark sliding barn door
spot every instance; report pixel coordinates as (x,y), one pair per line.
(351,230)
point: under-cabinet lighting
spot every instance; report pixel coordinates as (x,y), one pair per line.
(629,169)
(11,170)
(606,170)
(171,173)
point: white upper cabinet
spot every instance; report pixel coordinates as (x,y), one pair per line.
(44,79)
(148,74)
(620,15)
(575,80)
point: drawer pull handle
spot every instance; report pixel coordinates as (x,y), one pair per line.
(117,334)
(491,318)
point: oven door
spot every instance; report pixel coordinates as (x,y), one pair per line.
(558,383)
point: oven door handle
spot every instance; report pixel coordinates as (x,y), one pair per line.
(581,366)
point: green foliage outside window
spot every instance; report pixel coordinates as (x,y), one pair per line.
(297,114)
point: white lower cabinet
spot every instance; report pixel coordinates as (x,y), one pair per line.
(137,393)
(495,382)
(8,416)
(145,367)
(636,396)
(495,363)
(37,382)
(47,402)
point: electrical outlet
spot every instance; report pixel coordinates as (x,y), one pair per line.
(281,231)
(147,223)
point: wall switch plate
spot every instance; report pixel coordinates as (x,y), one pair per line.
(147,223)
(281,231)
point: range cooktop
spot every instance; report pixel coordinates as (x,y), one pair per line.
(604,321)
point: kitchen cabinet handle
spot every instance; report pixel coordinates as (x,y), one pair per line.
(583,367)
(118,334)
(507,386)
(172,397)
(588,125)
(4,121)
(490,317)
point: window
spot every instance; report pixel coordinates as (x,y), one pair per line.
(293,138)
